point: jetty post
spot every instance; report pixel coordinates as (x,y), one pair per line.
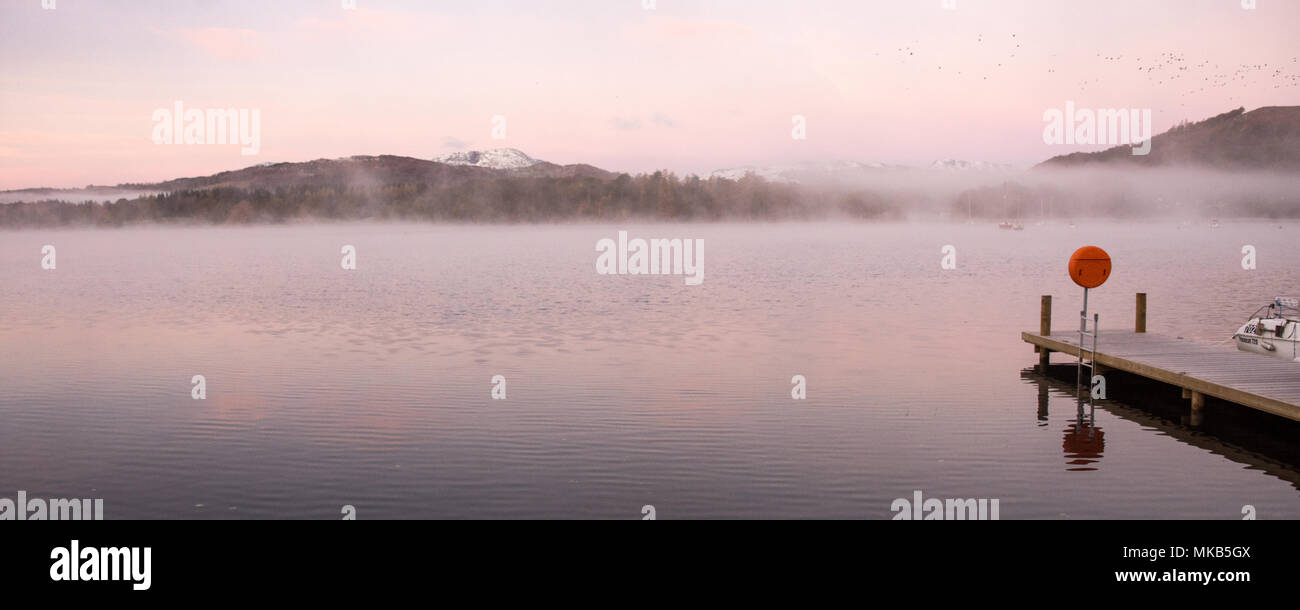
(1045,329)
(1140,325)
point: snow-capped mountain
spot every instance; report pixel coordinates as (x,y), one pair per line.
(970,166)
(802,172)
(852,170)
(770,174)
(496,158)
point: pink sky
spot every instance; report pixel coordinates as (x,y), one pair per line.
(690,85)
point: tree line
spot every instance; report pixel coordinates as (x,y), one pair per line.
(660,196)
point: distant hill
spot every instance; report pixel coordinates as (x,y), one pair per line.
(89,193)
(1263,139)
(473,187)
(360,171)
(370,171)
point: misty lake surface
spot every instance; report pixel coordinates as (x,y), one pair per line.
(372,387)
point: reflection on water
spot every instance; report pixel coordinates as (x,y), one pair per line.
(372,387)
(1083,444)
(1271,441)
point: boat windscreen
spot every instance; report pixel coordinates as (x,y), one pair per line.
(1287,307)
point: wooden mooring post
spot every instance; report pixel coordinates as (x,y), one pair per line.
(1197,414)
(1045,328)
(1140,325)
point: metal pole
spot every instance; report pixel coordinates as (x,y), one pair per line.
(1096,325)
(1083,328)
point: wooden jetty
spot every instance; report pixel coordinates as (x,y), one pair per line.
(1250,380)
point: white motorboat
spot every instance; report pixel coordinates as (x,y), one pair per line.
(1273,330)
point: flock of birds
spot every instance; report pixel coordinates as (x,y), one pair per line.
(1170,67)
(1165,69)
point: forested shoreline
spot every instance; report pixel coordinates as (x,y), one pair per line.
(386,190)
(661,196)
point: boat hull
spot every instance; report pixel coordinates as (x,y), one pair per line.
(1261,336)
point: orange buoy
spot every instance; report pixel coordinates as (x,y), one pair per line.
(1089,266)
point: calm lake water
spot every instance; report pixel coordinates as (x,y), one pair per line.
(372,387)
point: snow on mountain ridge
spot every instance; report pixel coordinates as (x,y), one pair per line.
(961,165)
(496,158)
(767,173)
(793,174)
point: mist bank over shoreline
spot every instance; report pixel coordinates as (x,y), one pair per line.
(1039,194)
(1235,165)
(1135,193)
